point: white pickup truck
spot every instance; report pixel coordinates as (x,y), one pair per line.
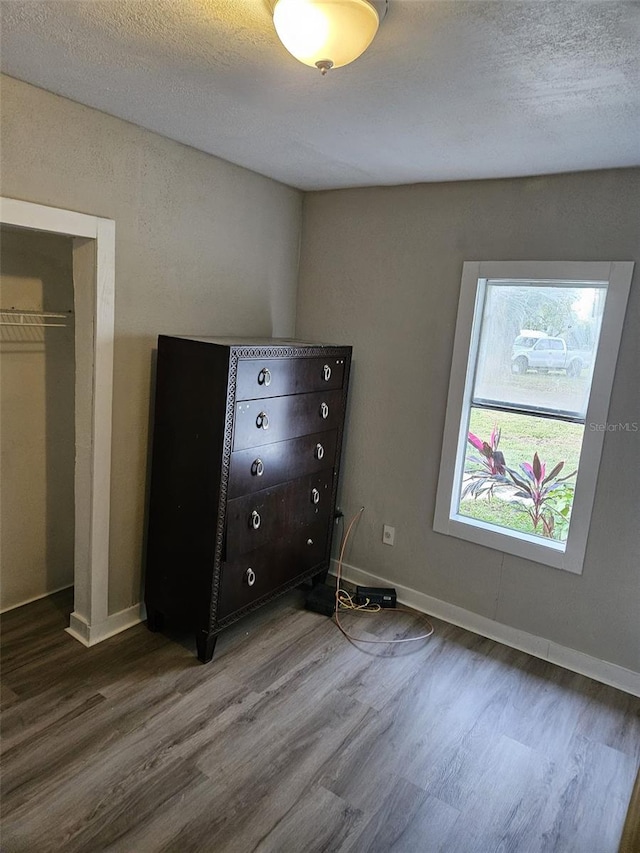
(542,353)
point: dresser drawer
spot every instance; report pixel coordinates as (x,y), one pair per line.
(276,377)
(254,520)
(259,422)
(252,470)
(261,572)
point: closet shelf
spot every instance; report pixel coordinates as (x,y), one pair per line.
(16,317)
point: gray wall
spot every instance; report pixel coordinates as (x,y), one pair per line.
(37,442)
(202,247)
(380,269)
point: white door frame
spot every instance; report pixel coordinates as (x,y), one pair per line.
(94,288)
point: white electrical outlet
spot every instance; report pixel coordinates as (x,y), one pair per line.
(388,534)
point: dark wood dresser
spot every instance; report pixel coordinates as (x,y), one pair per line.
(246,455)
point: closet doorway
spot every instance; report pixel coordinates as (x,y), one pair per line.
(37,426)
(84,247)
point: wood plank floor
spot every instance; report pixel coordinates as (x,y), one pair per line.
(294,741)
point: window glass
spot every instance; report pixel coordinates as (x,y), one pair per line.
(528,404)
(551,371)
(540,509)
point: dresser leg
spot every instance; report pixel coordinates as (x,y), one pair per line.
(155,619)
(206,643)
(321,577)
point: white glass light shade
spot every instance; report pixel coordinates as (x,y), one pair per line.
(325,33)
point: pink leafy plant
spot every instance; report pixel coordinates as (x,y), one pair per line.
(538,487)
(531,482)
(492,462)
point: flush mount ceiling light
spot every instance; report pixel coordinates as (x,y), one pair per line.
(327,33)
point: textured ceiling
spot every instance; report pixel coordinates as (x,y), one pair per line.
(447,91)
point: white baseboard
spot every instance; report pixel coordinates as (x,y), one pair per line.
(600,670)
(89,635)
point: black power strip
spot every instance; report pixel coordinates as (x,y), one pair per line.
(380,595)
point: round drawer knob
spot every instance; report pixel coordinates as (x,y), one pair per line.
(315,496)
(319,452)
(324,411)
(255,521)
(326,372)
(262,421)
(264,377)
(250,577)
(309,541)
(257,467)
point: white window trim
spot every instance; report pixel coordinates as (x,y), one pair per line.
(571,556)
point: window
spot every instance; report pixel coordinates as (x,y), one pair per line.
(534,357)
